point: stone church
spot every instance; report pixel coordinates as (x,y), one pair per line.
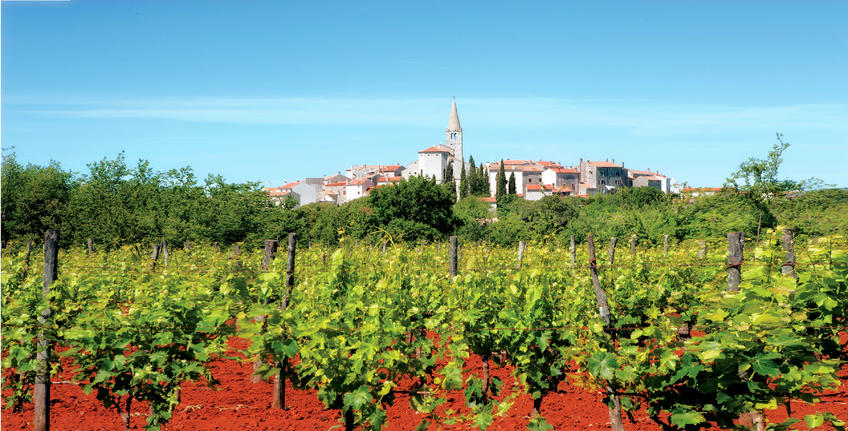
(433,161)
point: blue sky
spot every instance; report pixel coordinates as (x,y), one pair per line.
(276,91)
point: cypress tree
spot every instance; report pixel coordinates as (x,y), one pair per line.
(447,180)
(500,182)
(463,181)
(447,174)
(485,187)
(511,188)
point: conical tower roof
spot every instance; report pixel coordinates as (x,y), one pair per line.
(453,123)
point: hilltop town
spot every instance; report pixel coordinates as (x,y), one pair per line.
(445,163)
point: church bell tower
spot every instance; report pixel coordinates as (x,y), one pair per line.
(453,139)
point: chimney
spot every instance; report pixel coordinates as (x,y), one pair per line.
(613,159)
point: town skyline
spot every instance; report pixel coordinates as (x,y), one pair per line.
(297,90)
(446,164)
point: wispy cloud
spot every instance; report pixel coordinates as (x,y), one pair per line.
(640,117)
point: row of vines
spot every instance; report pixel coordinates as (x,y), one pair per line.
(361,325)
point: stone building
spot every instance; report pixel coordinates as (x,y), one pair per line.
(647,178)
(604,176)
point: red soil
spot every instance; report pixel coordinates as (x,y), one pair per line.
(239,405)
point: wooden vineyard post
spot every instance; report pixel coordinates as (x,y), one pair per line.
(734,261)
(165,253)
(90,244)
(573,251)
(735,258)
(603,309)
(788,267)
(613,241)
(633,246)
(292,243)
(665,245)
(236,253)
(279,398)
(385,245)
(41,391)
(453,255)
(268,253)
(702,249)
(521,247)
(26,262)
(267,257)
(154,257)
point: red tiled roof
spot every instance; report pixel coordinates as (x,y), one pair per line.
(279,193)
(587,186)
(488,199)
(290,185)
(604,164)
(565,170)
(535,187)
(521,168)
(389,179)
(550,164)
(564,189)
(389,168)
(359,181)
(437,149)
(340,183)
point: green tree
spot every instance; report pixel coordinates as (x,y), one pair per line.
(500,183)
(463,181)
(511,187)
(758,178)
(34,198)
(413,209)
(448,183)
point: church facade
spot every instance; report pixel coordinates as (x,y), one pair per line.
(433,161)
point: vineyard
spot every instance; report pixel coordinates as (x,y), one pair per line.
(694,335)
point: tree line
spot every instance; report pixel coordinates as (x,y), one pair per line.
(116,204)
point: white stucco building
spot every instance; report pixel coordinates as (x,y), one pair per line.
(433,161)
(526,173)
(358,188)
(560,176)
